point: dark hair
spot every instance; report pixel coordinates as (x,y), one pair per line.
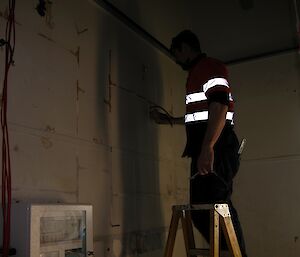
(188,37)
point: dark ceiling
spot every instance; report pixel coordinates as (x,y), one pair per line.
(230,30)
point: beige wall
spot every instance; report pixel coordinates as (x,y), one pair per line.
(267,187)
(79,137)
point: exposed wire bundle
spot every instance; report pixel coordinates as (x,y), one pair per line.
(165,112)
(9,44)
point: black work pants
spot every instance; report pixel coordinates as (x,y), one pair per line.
(217,188)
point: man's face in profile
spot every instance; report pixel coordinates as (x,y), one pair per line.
(182,57)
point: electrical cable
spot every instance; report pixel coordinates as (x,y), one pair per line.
(9,43)
(168,116)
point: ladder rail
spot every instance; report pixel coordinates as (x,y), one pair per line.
(219,219)
(230,236)
(188,234)
(214,233)
(176,215)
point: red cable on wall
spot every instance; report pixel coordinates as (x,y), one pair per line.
(6,165)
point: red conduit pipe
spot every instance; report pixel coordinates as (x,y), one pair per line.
(6,165)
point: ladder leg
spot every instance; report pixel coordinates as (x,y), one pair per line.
(188,234)
(230,236)
(214,233)
(172,233)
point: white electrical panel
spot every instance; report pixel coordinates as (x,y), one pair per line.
(55,230)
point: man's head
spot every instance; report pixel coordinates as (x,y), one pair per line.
(185,47)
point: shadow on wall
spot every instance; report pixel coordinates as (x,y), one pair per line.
(133,83)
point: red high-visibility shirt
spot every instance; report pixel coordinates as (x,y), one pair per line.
(207,82)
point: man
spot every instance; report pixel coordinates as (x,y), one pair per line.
(211,144)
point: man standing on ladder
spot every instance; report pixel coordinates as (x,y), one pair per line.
(212,143)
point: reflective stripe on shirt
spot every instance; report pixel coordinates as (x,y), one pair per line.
(195,97)
(215,82)
(200,96)
(203,116)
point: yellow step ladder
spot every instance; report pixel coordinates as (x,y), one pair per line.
(220,217)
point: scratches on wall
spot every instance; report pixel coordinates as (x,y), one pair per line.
(76,53)
(50,129)
(107,100)
(49,17)
(79,91)
(45,37)
(44,9)
(80,31)
(97,141)
(4,15)
(112,84)
(46,142)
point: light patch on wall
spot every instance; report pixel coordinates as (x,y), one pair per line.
(117,247)
(134,243)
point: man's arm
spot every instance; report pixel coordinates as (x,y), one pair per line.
(178,120)
(216,123)
(164,118)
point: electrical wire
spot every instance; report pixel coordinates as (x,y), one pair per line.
(168,116)
(10,40)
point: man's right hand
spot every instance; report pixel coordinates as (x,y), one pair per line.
(205,161)
(164,117)
(159,117)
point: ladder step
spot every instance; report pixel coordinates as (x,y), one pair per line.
(206,252)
